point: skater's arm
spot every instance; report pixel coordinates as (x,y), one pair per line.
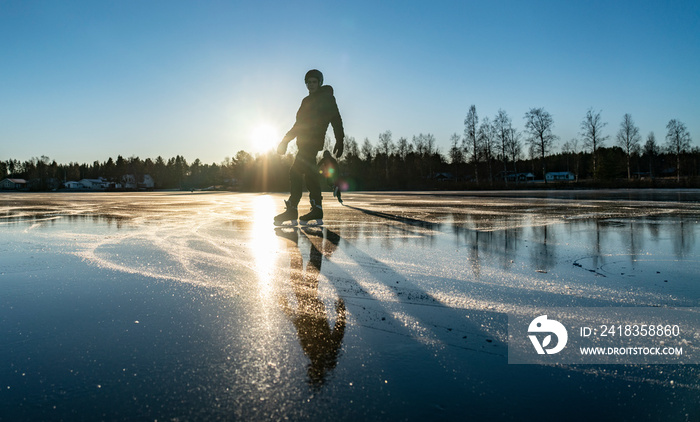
(282,147)
(293,132)
(337,123)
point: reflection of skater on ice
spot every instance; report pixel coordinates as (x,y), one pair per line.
(328,167)
(316,112)
(320,342)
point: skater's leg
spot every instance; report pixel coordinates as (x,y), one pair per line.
(313,184)
(305,166)
(296,178)
(305,163)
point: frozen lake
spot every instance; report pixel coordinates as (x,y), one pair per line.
(193,306)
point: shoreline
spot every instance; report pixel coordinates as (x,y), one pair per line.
(679,194)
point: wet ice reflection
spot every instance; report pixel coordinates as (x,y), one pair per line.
(260,321)
(320,331)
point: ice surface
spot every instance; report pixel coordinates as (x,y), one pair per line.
(194,306)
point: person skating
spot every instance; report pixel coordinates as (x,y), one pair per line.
(317,111)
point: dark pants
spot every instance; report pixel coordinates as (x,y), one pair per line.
(304,169)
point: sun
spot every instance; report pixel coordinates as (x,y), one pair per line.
(264,137)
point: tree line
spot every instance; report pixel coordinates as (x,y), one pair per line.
(497,142)
(488,154)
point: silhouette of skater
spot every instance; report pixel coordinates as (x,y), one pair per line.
(320,342)
(317,110)
(328,167)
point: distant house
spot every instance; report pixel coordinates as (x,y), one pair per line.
(444,177)
(13,184)
(93,184)
(129,181)
(560,176)
(526,177)
(516,177)
(73,185)
(148,182)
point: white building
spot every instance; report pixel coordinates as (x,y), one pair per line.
(129,181)
(148,182)
(93,184)
(519,177)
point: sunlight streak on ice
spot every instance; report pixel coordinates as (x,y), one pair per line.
(264,245)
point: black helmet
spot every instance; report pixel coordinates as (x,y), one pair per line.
(313,73)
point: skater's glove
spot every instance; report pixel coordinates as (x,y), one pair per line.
(282,148)
(338,149)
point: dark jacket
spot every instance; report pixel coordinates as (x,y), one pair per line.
(315,113)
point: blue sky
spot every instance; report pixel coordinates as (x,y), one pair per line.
(87,80)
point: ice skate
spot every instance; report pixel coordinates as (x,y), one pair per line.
(314,217)
(288,217)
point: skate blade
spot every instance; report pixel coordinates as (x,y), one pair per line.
(316,222)
(286,223)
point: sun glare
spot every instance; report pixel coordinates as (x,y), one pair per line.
(264,244)
(264,137)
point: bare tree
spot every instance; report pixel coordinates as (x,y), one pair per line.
(502,126)
(532,156)
(513,146)
(367,151)
(678,142)
(486,140)
(419,146)
(385,147)
(456,152)
(592,134)
(471,138)
(539,124)
(651,150)
(403,149)
(351,148)
(429,143)
(424,146)
(628,139)
(571,148)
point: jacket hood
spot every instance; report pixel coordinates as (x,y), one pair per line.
(325,89)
